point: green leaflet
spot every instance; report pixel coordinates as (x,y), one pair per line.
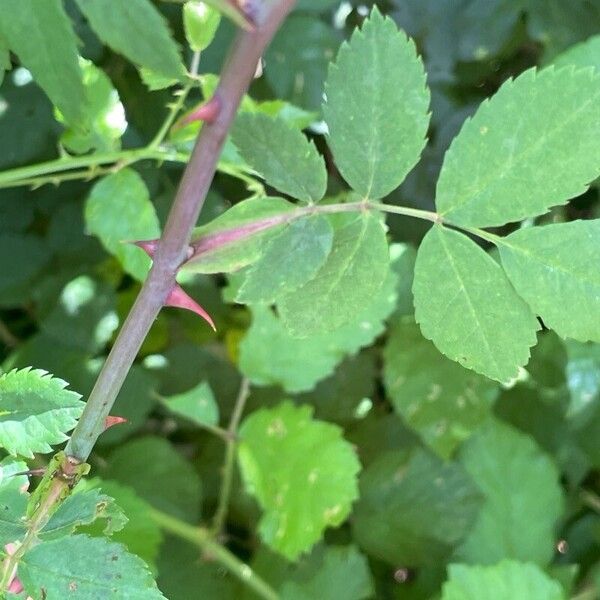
(104,116)
(297,59)
(85,568)
(245,227)
(200,22)
(301,471)
(140,533)
(377,107)
(36,411)
(554,268)
(197,405)
(351,276)
(466,306)
(136,30)
(41,35)
(297,364)
(81,508)
(13,500)
(144,461)
(291,258)
(413,507)
(283,155)
(331,573)
(119,210)
(443,402)
(533,145)
(585,54)
(511,471)
(507,579)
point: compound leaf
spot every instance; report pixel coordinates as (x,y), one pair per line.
(41,35)
(290,259)
(554,269)
(119,210)
(84,568)
(507,579)
(301,471)
(466,306)
(282,155)
(136,30)
(533,145)
(377,107)
(351,276)
(36,411)
(442,401)
(511,470)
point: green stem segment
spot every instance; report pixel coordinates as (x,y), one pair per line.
(228,467)
(203,539)
(171,252)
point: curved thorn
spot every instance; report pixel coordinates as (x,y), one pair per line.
(207,112)
(110,421)
(179,299)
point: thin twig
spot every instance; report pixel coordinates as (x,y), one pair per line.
(228,466)
(213,550)
(7,336)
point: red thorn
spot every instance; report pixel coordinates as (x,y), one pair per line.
(207,112)
(110,421)
(179,299)
(148,246)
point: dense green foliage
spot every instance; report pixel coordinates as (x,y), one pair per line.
(400,251)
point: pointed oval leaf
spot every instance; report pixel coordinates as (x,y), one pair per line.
(507,579)
(555,269)
(351,276)
(413,508)
(136,30)
(466,306)
(443,402)
(301,471)
(40,33)
(282,155)
(533,145)
(36,411)
(511,471)
(197,405)
(85,568)
(200,22)
(377,107)
(119,210)
(289,260)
